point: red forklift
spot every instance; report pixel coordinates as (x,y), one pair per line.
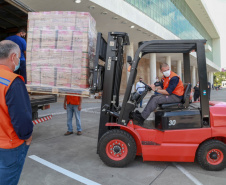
(181,132)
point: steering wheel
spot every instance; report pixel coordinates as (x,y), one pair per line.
(147,86)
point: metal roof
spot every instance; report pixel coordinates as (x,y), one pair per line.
(11,17)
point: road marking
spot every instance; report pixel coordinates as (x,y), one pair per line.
(63,171)
(185,172)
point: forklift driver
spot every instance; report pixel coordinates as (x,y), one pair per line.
(172,91)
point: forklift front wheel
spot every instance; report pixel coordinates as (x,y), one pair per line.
(117,148)
(211,155)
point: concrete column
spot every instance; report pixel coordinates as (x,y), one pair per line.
(193,76)
(197,75)
(179,68)
(211,78)
(159,74)
(183,77)
(168,61)
(129,52)
(153,67)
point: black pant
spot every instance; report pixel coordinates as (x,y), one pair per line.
(209,91)
(196,96)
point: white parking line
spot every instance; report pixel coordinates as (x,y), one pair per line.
(185,172)
(63,171)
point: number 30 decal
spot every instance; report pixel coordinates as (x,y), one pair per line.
(172,122)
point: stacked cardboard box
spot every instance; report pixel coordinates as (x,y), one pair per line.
(60,51)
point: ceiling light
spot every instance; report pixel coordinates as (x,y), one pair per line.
(132,26)
(115,18)
(145,32)
(138,29)
(91,7)
(104,13)
(124,22)
(77,1)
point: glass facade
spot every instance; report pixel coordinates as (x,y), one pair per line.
(176,16)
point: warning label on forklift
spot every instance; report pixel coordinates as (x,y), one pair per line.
(112,43)
(109,64)
(204,92)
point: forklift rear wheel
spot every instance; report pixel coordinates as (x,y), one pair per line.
(117,148)
(211,155)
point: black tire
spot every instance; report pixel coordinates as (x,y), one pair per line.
(110,136)
(216,159)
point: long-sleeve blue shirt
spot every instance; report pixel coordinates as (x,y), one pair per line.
(19,108)
(20,42)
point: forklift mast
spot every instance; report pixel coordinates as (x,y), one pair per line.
(108,78)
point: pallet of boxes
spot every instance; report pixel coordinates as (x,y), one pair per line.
(60,52)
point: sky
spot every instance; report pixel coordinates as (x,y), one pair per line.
(217,11)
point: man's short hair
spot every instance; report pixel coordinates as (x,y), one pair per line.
(7,47)
(163,65)
(21,30)
(140,78)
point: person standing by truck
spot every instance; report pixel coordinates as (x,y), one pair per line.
(19,39)
(16,125)
(73,104)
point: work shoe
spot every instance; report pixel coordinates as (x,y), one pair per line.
(68,133)
(79,133)
(137,117)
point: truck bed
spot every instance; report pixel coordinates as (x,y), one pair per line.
(39,102)
(42,99)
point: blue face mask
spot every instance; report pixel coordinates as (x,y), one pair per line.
(18,66)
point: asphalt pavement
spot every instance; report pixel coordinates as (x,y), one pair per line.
(55,159)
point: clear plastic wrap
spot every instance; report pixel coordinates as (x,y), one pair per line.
(61,49)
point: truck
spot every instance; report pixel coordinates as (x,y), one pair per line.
(13,18)
(42,102)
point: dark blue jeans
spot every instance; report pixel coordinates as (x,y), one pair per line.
(11,164)
(71,109)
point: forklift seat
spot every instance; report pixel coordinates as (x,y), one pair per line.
(179,105)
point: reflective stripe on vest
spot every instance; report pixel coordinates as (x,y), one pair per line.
(179,90)
(4,81)
(8,136)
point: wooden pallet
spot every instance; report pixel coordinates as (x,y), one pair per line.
(55,90)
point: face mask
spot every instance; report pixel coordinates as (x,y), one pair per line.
(18,66)
(140,80)
(166,73)
(23,36)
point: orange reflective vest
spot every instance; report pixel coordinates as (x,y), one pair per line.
(73,100)
(8,136)
(179,90)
